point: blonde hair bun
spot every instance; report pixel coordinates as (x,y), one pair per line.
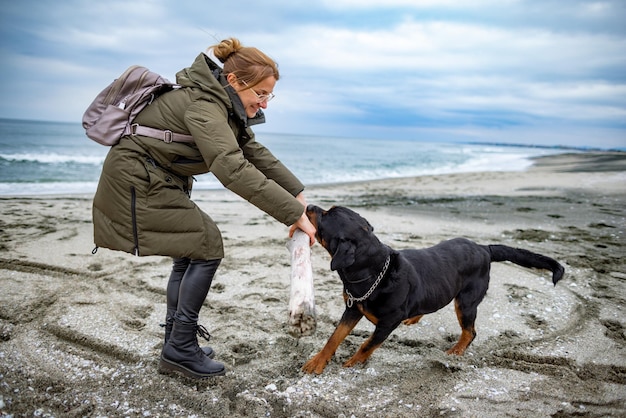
(226,48)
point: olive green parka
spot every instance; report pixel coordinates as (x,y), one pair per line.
(142,205)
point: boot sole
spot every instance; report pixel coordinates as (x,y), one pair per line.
(166,366)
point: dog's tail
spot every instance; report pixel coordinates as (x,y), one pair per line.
(527,258)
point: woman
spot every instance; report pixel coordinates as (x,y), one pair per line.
(143,206)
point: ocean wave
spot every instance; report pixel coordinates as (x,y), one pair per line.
(47,188)
(39,160)
(53,158)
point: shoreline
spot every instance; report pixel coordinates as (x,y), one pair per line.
(80,335)
(568,161)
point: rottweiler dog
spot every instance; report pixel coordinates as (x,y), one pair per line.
(390,287)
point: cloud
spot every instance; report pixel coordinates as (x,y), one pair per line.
(358,68)
(477,69)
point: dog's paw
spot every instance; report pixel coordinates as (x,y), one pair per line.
(315,365)
(456,350)
(354,360)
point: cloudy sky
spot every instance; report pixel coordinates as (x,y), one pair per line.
(549,72)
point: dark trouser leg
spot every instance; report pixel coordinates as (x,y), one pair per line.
(181,353)
(179,268)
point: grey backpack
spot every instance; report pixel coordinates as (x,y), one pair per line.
(110,116)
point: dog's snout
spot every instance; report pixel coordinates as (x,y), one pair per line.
(314,213)
(312,208)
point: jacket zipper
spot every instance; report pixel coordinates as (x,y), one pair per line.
(133,212)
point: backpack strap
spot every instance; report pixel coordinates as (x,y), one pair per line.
(166,135)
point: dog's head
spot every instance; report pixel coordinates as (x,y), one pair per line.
(344,233)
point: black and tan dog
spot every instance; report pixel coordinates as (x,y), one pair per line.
(390,287)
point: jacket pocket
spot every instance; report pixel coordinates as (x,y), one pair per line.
(166,190)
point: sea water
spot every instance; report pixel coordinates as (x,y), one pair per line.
(42,158)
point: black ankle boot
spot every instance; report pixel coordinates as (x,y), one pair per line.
(182,354)
(201,332)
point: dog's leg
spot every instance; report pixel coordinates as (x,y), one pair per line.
(466,318)
(413,320)
(372,343)
(347,323)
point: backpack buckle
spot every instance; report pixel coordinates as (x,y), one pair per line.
(167,136)
(133,129)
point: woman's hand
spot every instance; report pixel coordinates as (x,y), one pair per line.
(305,226)
(303,223)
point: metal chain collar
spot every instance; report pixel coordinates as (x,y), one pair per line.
(352,299)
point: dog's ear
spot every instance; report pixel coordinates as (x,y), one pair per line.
(343,256)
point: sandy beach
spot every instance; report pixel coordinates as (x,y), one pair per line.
(80,334)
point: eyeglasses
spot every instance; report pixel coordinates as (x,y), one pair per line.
(260,98)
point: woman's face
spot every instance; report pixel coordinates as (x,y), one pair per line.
(256,97)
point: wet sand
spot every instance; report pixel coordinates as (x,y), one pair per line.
(80,334)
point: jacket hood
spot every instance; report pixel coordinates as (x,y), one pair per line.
(205,74)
